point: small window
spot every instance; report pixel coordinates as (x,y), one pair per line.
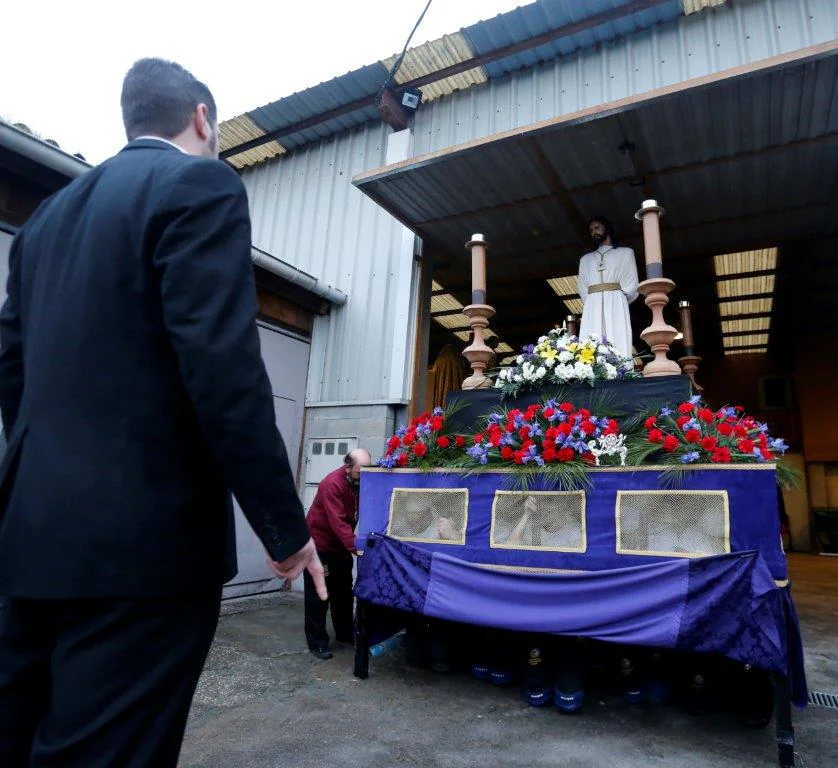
(434,515)
(330,449)
(343,449)
(539,520)
(317,449)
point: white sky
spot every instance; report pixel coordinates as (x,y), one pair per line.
(62,63)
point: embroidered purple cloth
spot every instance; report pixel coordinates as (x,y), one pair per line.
(727,604)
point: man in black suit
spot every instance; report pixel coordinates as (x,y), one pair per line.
(134,398)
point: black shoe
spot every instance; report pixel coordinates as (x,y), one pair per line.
(324,654)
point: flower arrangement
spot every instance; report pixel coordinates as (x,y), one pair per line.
(694,433)
(426,442)
(559,358)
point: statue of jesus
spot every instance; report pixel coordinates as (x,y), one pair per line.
(607,285)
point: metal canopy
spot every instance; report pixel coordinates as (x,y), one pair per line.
(742,160)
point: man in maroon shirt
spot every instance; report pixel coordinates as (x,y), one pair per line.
(331,521)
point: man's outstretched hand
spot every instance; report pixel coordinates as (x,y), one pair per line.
(305,559)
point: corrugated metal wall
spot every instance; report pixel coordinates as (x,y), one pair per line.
(306,212)
(690,47)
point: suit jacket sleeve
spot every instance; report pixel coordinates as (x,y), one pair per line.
(11,343)
(208,297)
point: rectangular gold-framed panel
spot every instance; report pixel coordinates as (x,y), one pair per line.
(429,515)
(544,521)
(674,523)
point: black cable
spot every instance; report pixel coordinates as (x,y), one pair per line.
(398,62)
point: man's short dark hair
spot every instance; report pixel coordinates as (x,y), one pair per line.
(159,98)
(606,225)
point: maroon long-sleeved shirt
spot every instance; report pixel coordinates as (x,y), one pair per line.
(334,514)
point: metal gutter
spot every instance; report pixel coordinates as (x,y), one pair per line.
(297,277)
(604,17)
(41,152)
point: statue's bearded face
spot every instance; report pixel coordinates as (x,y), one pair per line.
(597,232)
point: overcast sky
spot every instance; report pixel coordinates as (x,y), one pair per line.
(62,63)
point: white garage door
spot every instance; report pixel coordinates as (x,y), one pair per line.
(286,358)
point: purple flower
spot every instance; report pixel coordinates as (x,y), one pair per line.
(758,454)
(401,431)
(689,458)
(728,411)
(479,453)
(535,430)
(778,445)
(495,418)
(666,411)
(695,399)
(692,424)
(532,455)
(762,427)
(387,461)
(507,439)
(438,411)
(424,429)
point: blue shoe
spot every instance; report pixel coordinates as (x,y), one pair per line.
(480,671)
(538,697)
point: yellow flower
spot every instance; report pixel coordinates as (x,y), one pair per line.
(573,347)
(548,354)
(587,355)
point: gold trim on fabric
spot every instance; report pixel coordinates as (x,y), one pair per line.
(580,494)
(781,582)
(455,542)
(654,553)
(527,568)
(766,466)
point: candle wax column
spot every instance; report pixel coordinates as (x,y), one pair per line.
(687,326)
(478,269)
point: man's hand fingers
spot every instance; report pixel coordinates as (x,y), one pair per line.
(315,569)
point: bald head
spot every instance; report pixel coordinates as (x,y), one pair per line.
(354,460)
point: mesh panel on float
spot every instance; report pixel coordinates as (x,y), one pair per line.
(673,523)
(437,515)
(539,520)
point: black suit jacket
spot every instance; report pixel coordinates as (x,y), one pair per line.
(132,389)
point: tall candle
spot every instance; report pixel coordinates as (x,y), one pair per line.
(650,214)
(686,326)
(478,268)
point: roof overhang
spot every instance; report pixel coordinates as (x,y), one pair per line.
(742,159)
(28,151)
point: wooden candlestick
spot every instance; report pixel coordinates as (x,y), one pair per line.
(659,335)
(572,325)
(478,313)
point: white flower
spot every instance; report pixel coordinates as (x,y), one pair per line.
(610,371)
(565,357)
(564,372)
(519,359)
(498,384)
(600,359)
(583,371)
(550,362)
(542,339)
(540,373)
(518,377)
(603,349)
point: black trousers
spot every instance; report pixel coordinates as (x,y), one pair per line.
(338,568)
(100,683)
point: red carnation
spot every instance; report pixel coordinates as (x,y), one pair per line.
(524,433)
(420,449)
(436,423)
(510,426)
(507,453)
(681,420)
(565,454)
(762,440)
(589,457)
(650,422)
(526,444)
(459,441)
(549,455)
(442,442)
(584,413)
(746,446)
(409,438)
(478,438)
(401,459)
(566,407)
(532,412)
(706,415)
(766,454)
(670,443)
(725,430)
(393,443)
(518,457)
(613,427)
(655,436)
(692,435)
(721,456)
(513,413)
(549,413)
(709,443)
(565,428)
(686,408)
(494,439)
(551,433)
(588,427)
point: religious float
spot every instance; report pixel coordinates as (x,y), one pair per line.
(574,513)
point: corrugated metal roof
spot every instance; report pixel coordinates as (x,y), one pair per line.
(745,286)
(694,6)
(240,129)
(744,262)
(433,56)
(322,98)
(746,326)
(544,15)
(444,303)
(565,286)
(756,339)
(748,307)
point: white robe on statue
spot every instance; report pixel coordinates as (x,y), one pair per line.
(606,313)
